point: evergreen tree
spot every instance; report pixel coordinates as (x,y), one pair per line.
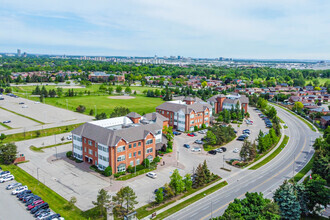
(206,172)
(176,182)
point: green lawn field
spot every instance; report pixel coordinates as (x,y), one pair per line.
(139,104)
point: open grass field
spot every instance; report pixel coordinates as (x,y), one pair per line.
(94,88)
(139,104)
(321,80)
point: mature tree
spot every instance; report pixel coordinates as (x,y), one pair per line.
(176,182)
(168,131)
(298,106)
(168,190)
(81,109)
(317,193)
(200,178)
(8,153)
(211,138)
(108,171)
(187,181)
(159,195)
(244,153)
(286,197)
(128,90)
(253,206)
(204,84)
(119,111)
(271,113)
(2,137)
(102,202)
(206,172)
(119,89)
(125,199)
(101,116)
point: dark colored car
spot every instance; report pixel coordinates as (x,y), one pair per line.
(40,211)
(241,138)
(6,122)
(27,197)
(186,146)
(38,207)
(223,149)
(176,133)
(33,199)
(213,152)
(19,195)
(53,216)
(194,134)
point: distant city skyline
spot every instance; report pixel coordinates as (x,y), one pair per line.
(254,29)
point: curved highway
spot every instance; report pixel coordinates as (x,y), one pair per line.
(266,179)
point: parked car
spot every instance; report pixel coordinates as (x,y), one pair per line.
(6,122)
(36,102)
(46,216)
(190,135)
(223,149)
(34,204)
(13,186)
(152,175)
(236,150)
(199,142)
(42,206)
(186,146)
(22,197)
(241,138)
(196,149)
(176,133)
(213,152)
(53,216)
(21,194)
(69,137)
(219,150)
(24,106)
(193,134)
(246,131)
(21,103)
(19,190)
(40,211)
(32,200)
(7,178)
(28,198)
(4,173)
(203,131)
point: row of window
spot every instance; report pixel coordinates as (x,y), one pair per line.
(90,152)
(122,167)
(101,148)
(76,138)
(77,155)
(77,147)
(103,158)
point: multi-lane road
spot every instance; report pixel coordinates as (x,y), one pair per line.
(265,179)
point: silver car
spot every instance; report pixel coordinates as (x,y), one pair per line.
(13,186)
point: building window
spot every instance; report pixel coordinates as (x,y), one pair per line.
(149,142)
(95,154)
(150,158)
(134,145)
(85,140)
(192,122)
(121,168)
(131,163)
(130,146)
(90,143)
(139,144)
(206,113)
(130,155)
(85,149)
(90,151)
(192,116)
(206,119)
(149,150)
(138,162)
(121,158)
(139,153)
(134,154)
(121,149)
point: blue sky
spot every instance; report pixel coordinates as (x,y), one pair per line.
(265,29)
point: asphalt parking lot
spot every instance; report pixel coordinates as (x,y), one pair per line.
(190,159)
(48,114)
(10,207)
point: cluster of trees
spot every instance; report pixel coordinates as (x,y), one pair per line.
(248,151)
(122,203)
(302,199)
(179,184)
(168,132)
(265,141)
(8,153)
(117,112)
(219,135)
(253,206)
(322,156)
(152,93)
(234,114)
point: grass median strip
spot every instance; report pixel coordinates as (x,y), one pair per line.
(191,200)
(132,175)
(40,149)
(39,133)
(304,170)
(40,122)
(6,126)
(272,155)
